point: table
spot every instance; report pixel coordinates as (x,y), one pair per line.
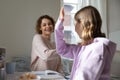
(44,75)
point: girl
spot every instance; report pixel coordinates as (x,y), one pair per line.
(93,56)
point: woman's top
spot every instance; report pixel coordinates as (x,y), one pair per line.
(44,56)
(91,62)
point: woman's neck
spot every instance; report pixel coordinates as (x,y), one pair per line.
(46,37)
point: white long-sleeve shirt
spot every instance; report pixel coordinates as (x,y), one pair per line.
(45,50)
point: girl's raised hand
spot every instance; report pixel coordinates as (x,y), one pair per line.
(61,15)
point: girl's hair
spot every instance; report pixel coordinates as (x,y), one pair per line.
(90,20)
(39,21)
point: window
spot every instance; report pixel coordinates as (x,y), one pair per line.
(69,29)
(69,17)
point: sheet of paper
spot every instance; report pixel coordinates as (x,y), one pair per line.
(68,8)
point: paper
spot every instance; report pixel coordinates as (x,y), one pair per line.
(68,8)
(48,75)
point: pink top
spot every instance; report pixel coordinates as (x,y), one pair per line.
(44,56)
(91,62)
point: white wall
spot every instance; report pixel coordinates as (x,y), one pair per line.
(115,66)
(17,23)
(114,21)
(114,34)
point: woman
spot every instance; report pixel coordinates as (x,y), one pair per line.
(44,56)
(93,56)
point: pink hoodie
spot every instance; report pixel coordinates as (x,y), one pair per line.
(91,62)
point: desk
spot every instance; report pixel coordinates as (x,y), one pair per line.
(44,75)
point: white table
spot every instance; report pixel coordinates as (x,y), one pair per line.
(45,75)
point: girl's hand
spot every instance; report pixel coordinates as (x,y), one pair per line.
(61,15)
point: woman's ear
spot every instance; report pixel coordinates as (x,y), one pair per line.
(53,30)
(40,28)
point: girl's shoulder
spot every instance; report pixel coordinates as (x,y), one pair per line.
(105,43)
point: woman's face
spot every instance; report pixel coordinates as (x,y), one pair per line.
(46,27)
(78,28)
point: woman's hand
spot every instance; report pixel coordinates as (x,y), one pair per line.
(33,63)
(61,15)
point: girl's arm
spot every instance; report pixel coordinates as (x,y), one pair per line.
(64,49)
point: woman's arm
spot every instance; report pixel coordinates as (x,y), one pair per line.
(64,49)
(40,49)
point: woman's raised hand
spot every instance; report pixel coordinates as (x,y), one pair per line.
(61,15)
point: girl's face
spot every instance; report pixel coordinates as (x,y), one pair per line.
(78,27)
(46,27)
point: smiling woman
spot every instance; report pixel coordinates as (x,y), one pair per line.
(17,24)
(44,56)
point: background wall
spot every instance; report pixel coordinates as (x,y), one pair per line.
(114,35)
(17,23)
(114,21)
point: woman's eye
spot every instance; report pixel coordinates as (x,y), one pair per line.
(44,24)
(50,24)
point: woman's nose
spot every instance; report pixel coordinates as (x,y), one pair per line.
(47,25)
